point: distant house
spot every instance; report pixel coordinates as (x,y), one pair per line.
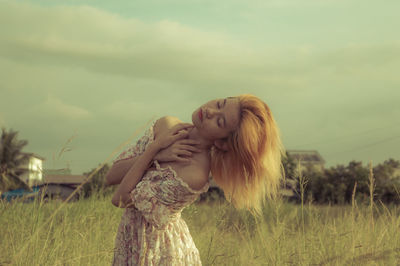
(62,171)
(60,186)
(307,159)
(49,183)
(32,170)
(52,183)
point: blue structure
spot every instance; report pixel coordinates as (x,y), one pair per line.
(20,193)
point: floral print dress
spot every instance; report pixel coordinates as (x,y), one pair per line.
(153,232)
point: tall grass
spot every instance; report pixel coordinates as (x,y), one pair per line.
(83,232)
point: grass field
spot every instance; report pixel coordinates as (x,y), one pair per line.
(83,232)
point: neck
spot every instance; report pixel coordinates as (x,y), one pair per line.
(205,144)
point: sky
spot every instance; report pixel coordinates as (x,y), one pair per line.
(79,78)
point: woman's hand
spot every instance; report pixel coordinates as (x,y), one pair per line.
(177,151)
(179,131)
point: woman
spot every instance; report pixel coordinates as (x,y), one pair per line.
(239,143)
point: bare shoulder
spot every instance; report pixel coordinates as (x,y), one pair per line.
(165,123)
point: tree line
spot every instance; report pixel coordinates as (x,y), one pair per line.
(334,185)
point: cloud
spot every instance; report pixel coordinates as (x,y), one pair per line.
(105,43)
(54,108)
(82,68)
(125,110)
(88,33)
(99,41)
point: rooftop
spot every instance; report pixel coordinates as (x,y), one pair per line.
(64,179)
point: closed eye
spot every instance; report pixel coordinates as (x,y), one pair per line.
(219,120)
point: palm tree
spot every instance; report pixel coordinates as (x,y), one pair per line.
(11,160)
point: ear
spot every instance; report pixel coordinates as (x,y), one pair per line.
(221,144)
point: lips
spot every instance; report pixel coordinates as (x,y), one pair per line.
(201,115)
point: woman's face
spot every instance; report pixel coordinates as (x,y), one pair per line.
(217,118)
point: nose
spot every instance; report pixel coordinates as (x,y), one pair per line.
(210,112)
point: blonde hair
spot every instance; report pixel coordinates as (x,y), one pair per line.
(251,170)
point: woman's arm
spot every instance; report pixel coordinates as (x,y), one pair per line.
(121,197)
(174,153)
(118,171)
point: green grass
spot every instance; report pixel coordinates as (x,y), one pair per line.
(83,232)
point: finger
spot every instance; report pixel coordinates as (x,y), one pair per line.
(181,131)
(190,148)
(183,126)
(190,142)
(182,160)
(180,135)
(183,152)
